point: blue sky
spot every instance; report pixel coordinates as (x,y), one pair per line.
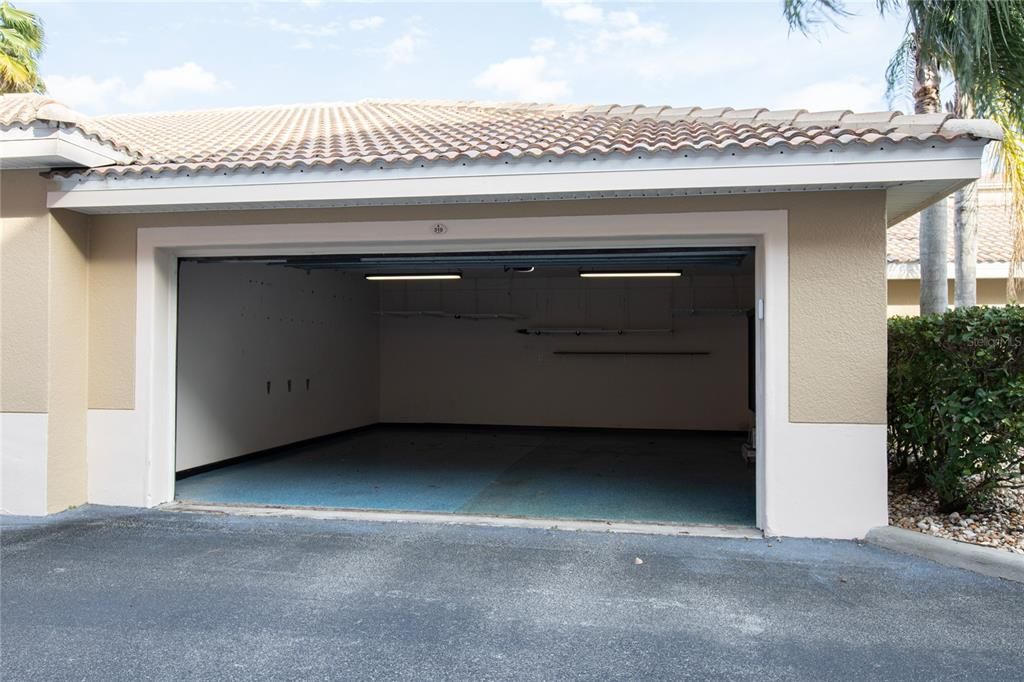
(159,56)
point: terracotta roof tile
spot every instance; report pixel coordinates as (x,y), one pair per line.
(34,109)
(407,132)
(871,119)
(27,108)
(820,119)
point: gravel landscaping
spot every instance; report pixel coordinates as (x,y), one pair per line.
(999,523)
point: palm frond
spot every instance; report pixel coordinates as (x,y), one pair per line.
(981,43)
(1011,159)
(899,74)
(24,23)
(21,44)
(886,6)
(805,15)
(13,74)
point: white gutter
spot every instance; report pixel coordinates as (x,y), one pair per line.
(707,173)
(47,147)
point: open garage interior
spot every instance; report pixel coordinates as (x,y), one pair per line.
(595,385)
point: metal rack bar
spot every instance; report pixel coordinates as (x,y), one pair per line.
(632,352)
(449,315)
(586,331)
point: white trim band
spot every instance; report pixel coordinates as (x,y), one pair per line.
(913,271)
(836,168)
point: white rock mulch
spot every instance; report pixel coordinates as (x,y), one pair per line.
(999,524)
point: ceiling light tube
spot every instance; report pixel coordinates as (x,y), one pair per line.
(395,277)
(660,273)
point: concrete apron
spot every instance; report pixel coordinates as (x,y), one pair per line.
(990,561)
(694,530)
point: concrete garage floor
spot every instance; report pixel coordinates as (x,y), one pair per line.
(108,594)
(686,477)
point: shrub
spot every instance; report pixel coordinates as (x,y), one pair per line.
(956,400)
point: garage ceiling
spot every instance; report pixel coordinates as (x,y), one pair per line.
(639,258)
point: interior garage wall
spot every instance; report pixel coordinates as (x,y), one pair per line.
(836,271)
(244,327)
(481,371)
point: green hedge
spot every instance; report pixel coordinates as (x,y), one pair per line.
(956,400)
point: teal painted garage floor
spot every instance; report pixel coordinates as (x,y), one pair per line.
(687,477)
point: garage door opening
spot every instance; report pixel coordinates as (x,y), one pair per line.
(612,386)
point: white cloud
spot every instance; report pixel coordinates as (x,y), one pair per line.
(857,94)
(303,44)
(583,13)
(623,19)
(542,45)
(580,11)
(606,42)
(84,92)
(600,40)
(598,30)
(405,48)
(312,30)
(525,78)
(119,38)
(694,61)
(626,27)
(366,23)
(157,87)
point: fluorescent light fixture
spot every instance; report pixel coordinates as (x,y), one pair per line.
(392,278)
(661,273)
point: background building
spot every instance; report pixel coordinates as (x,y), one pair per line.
(995,246)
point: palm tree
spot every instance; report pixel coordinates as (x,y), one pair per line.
(980,44)
(21,43)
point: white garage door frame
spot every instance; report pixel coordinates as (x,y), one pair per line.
(131,452)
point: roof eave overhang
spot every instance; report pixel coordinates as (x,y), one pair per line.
(901,170)
(46,147)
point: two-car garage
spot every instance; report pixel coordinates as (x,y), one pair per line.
(636,302)
(612,385)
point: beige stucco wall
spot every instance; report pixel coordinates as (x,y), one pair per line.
(66,472)
(24,292)
(112,315)
(904,295)
(837,347)
(44,309)
(837,287)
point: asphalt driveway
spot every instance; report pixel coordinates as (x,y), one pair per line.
(101,594)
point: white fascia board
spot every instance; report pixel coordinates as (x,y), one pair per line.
(913,271)
(860,167)
(47,147)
